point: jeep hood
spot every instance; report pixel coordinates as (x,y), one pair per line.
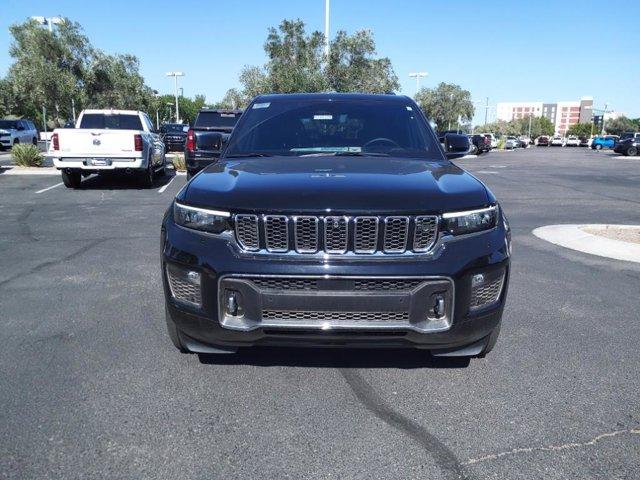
(335,184)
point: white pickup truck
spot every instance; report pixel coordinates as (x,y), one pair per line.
(106,141)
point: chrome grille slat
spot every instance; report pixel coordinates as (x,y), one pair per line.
(365,234)
(247,232)
(276,233)
(306,234)
(336,235)
(396,233)
(425,233)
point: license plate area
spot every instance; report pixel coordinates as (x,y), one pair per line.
(98,162)
(366,303)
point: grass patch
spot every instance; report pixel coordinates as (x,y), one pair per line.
(27,155)
(178,162)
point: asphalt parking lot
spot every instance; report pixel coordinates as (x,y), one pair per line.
(92,387)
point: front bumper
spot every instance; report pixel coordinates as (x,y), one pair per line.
(447,272)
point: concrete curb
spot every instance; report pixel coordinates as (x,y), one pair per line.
(571,236)
(28,171)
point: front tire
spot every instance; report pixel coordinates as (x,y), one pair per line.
(598,147)
(631,151)
(71,179)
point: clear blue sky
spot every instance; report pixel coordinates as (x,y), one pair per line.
(505,50)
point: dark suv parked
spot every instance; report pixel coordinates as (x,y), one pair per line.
(336,220)
(174,136)
(629,144)
(206,138)
(480,144)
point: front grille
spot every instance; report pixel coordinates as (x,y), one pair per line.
(486,294)
(325,316)
(336,234)
(368,285)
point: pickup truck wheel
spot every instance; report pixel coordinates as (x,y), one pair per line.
(146,177)
(631,151)
(35,141)
(71,179)
(174,333)
(493,339)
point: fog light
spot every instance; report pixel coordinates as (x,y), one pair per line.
(185,285)
(232,302)
(485,289)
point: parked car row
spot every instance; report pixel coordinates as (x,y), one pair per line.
(14,132)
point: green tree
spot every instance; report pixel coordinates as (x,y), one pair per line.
(581,129)
(56,68)
(48,68)
(445,104)
(296,63)
(353,68)
(619,125)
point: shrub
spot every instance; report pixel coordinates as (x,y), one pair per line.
(501,143)
(27,155)
(178,163)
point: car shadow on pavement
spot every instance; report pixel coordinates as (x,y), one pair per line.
(334,358)
(123,182)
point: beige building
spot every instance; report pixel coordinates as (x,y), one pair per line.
(561,114)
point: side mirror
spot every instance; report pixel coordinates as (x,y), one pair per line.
(455,145)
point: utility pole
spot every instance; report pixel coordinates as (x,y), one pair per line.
(49,21)
(44,126)
(326,29)
(486,110)
(530,126)
(175,76)
(73,109)
(418,76)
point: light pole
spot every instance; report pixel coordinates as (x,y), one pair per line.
(169,104)
(418,76)
(49,21)
(175,76)
(326,29)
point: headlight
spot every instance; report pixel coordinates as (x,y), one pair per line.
(212,221)
(460,223)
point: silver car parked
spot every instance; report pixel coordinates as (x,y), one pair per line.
(13,132)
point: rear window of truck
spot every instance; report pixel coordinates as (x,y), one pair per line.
(216,120)
(111,122)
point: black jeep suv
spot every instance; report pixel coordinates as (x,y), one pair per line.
(335,220)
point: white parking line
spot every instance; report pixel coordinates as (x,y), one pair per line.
(49,188)
(164,187)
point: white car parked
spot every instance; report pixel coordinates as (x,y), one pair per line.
(557,141)
(572,141)
(108,141)
(13,132)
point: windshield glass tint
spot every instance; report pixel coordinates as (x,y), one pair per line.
(216,120)
(174,127)
(306,127)
(112,122)
(8,124)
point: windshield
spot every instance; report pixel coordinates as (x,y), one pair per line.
(216,120)
(8,124)
(330,126)
(111,122)
(173,127)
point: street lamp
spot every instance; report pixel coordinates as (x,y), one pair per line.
(417,76)
(49,21)
(326,30)
(175,75)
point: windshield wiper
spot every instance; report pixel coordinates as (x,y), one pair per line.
(360,154)
(247,155)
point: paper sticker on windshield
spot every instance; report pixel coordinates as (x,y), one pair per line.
(323,117)
(261,105)
(228,115)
